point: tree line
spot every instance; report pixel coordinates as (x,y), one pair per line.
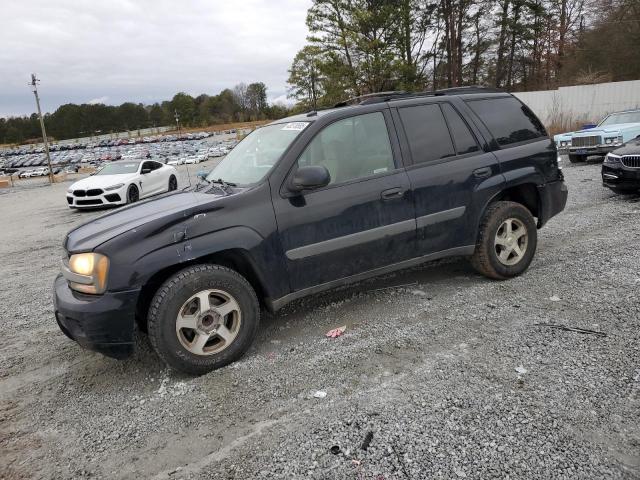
(242,103)
(357,47)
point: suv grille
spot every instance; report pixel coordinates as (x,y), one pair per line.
(631,161)
(586,141)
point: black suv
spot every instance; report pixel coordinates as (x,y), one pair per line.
(306,204)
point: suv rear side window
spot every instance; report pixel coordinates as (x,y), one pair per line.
(355,147)
(463,138)
(427,133)
(508,120)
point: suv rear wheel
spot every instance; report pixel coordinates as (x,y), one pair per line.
(203,318)
(507,241)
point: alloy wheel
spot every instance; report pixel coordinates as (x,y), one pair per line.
(208,322)
(511,241)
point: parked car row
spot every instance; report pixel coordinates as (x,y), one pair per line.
(617,138)
(610,133)
(188,151)
(83,144)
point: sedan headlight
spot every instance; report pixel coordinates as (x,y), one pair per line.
(612,159)
(114,187)
(87,272)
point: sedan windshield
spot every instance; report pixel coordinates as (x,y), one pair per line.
(617,118)
(118,168)
(254,156)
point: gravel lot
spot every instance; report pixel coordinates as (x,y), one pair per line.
(443,373)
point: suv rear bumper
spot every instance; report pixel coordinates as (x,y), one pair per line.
(103,323)
(553,199)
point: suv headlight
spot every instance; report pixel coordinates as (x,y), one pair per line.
(612,159)
(87,272)
(114,187)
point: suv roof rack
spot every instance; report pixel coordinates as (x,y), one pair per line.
(379,97)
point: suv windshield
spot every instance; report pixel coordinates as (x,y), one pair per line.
(118,168)
(617,118)
(254,156)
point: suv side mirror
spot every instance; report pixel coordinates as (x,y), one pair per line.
(145,171)
(309,178)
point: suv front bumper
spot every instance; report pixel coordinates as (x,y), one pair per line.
(619,176)
(103,323)
(597,150)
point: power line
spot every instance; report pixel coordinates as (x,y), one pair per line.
(34,86)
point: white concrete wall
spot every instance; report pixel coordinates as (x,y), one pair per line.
(588,103)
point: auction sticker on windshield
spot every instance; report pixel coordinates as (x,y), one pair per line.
(298,126)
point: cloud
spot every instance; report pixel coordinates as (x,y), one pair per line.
(94,101)
(144,50)
(283,99)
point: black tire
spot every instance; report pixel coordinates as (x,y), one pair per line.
(173,183)
(577,158)
(133,194)
(485,258)
(171,296)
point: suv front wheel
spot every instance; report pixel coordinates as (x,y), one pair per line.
(202,318)
(507,241)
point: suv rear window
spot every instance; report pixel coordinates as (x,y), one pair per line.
(508,120)
(427,133)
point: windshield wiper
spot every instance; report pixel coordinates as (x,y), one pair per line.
(224,186)
(202,184)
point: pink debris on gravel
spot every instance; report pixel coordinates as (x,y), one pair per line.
(336,332)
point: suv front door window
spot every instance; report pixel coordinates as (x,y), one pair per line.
(364,219)
(352,148)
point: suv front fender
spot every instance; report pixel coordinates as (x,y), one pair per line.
(261,254)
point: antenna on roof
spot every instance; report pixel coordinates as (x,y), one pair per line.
(314,96)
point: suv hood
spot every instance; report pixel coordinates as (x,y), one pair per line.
(90,235)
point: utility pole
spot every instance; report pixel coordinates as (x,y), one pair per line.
(34,85)
(175,111)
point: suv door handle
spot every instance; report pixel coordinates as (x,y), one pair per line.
(392,193)
(484,172)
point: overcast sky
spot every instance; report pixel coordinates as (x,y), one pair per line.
(143,50)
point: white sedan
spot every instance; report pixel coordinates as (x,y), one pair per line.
(122,182)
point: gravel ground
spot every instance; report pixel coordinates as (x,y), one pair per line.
(440,373)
